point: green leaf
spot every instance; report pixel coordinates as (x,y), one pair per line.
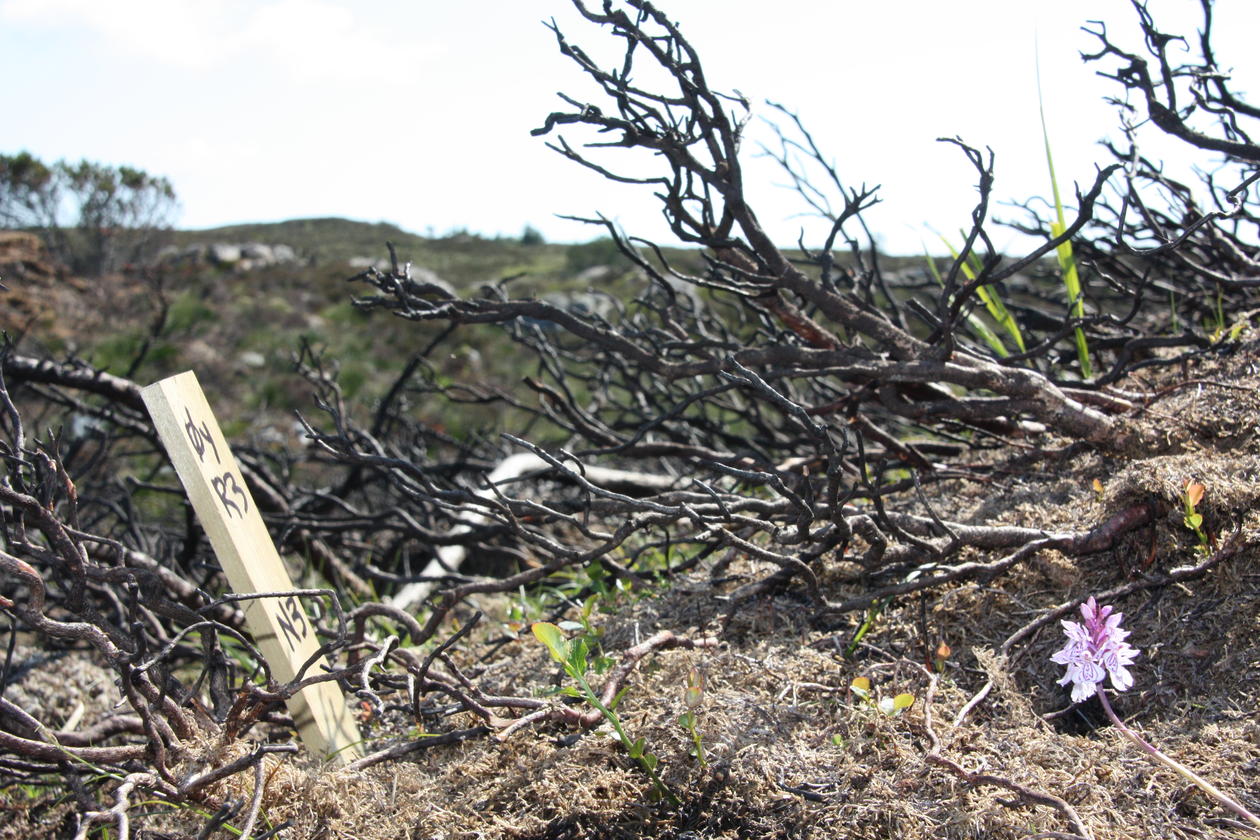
(651,761)
(903,701)
(617,699)
(973,320)
(550,635)
(577,655)
(1067,261)
(588,606)
(1194,521)
(989,295)
(637,748)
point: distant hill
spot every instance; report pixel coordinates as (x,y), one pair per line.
(462,259)
(323,239)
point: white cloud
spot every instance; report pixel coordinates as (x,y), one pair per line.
(178,32)
(316,40)
(309,40)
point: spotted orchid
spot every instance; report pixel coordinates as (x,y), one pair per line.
(1095,650)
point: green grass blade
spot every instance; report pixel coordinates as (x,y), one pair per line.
(974,321)
(989,296)
(1067,260)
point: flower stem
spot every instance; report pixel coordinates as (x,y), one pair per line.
(1185,772)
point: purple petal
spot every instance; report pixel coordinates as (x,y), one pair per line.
(1075,631)
(1089,609)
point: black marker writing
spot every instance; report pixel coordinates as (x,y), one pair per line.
(228,491)
(292,621)
(199,437)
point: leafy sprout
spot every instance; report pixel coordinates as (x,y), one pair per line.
(1192,519)
(693,697)
(572,656)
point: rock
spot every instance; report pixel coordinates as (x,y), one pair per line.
(223,253)
(195,254)
(594,275)
(428,277)
(283,253)
(241,256)
(258,253)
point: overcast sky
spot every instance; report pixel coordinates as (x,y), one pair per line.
(418,112)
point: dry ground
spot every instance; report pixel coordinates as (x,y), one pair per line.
(793,753)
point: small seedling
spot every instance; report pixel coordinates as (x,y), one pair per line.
(872,613)
(943,653)
(693,696)
(887,706)
(571,654)
(1193,519)
(1219,331)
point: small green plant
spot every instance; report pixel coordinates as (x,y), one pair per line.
(1190,497)
(971,268)
(590,635)
(887,706)
(571,654)
(872,614)
(1216,324)
(693,696)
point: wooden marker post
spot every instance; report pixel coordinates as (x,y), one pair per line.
(231,520)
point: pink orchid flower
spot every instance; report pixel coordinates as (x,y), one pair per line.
(1095,650)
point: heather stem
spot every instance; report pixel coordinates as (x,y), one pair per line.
(1185,772)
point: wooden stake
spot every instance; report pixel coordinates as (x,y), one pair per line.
(280,626)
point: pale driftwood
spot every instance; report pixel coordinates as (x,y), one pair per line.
(451,557)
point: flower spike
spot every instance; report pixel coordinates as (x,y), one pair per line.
(1095,650)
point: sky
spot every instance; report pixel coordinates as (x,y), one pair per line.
(418,112)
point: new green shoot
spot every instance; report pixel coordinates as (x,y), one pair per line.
(572,657)
(693,696)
